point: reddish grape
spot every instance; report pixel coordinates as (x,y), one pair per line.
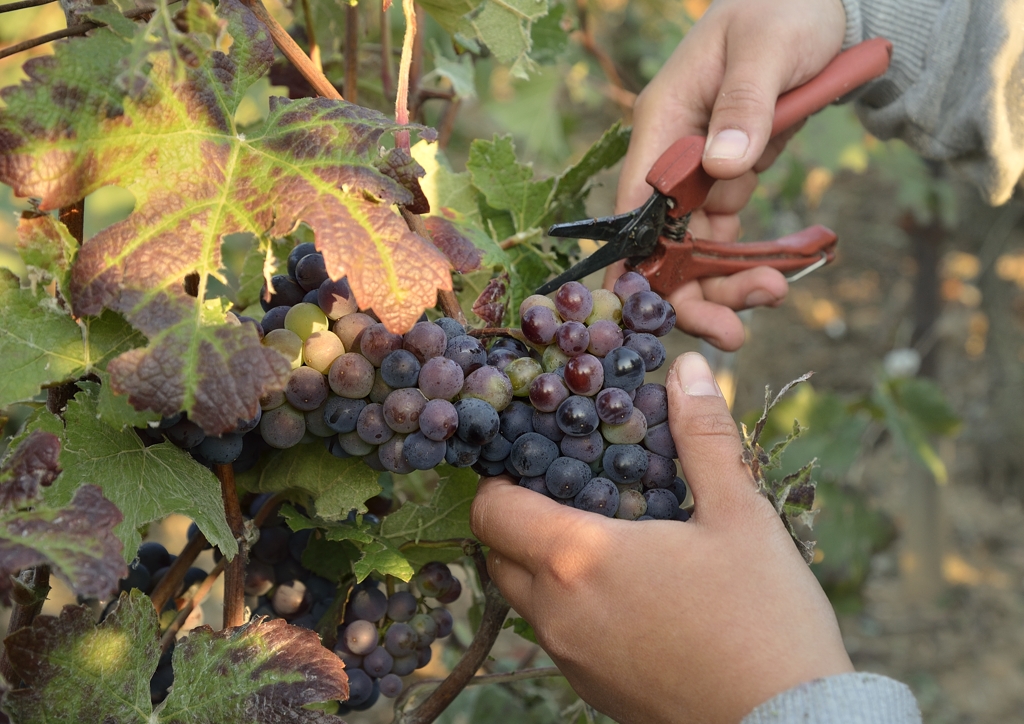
(350,329)
(584,375)
(425,340)
(402,409)
(335,298)
(574,301)
(548,391)
(351,375)
(441,378)
(490,385)
(614,405)
(539,325)
(668,325)
(438,420)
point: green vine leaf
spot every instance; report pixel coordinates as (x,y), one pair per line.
(42,345)
(376,554)
(155,116)
(46,247)
(78,671)
(262,672)
(336,486)
(145,483)
(444,517)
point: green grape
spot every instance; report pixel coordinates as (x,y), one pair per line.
(490,385)
(304,318)
(606,306)
(321,349)
(287,343)
(630,432)
(632,503)
(521,372)
(553,358)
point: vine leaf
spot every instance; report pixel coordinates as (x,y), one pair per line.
(375,553)
(146,483)
(444,517)
(78,671)
(337,486)
(77,540)
(42,345)
(47,248)
(155,116)
(263,671)
(793,495)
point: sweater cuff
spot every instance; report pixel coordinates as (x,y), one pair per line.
(901,23)
(856,698)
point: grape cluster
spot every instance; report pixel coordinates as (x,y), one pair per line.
(385,637)
(381,637)
(568,416)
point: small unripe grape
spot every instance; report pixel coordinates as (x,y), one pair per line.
(606,306)
(287,343)
(303,319)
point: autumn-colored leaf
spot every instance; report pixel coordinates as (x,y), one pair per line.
(150,108)
(465,256)
(490,305)
(34,463)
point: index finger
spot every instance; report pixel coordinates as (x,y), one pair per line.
(519,523)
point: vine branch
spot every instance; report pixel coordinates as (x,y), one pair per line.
(11,7)
(234,578)
(404,68)
(617,89)
(71,30)
(499,678)
(291,50)
(34,585)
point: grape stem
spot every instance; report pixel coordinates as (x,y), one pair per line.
(293,52)
(176,574)
(189,606)
(71,30)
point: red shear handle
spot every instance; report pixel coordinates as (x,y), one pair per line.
(679,174)
(675,263)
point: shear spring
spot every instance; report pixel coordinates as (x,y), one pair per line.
(675,229)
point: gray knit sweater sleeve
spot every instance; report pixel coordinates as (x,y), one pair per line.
(844,699)
(955,89)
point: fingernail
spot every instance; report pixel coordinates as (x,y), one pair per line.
(759,298)
(695,376)
(730,144)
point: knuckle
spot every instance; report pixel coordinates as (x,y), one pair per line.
(741,96)
(709,424)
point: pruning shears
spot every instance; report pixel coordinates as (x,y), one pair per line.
(654,239)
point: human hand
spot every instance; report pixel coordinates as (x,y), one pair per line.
(723,80)
(662,621)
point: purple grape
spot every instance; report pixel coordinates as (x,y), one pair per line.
(566,477)
(577,416)
(467,352)
(377,342)
(584,375)
(401,606)
(439,420)
(661,504)
(402,409)
(443,618)
(650,349)
(624,463)
(613,405)
(390,685)
(629,284)
(598,496)
(623,368)
(311,272)
(441,378)
(546,424)
(587,448)
(368,604)
(422,453)
(532,453)
(335,298)
(652,400)
(573,338)
(378,663)
(401,369)
(548,391)
(426,341)
(371,425)
(574,302)
(644,312)
(539,325)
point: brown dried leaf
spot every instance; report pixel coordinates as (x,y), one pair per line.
(34,463)
(490,305)
(463,253)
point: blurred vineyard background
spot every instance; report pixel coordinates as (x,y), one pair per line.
(915,335)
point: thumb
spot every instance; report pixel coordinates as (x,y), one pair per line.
(707,441)
(741,118)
